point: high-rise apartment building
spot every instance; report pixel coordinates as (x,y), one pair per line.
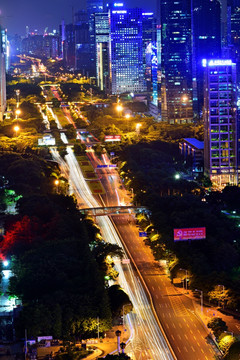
(177,77)
(220,122)
(2,80)
(125,51)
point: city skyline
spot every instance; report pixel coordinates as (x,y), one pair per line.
(15,15)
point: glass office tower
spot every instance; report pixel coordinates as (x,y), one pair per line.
(176,26)
(220,122)
(102,54)
(125,51)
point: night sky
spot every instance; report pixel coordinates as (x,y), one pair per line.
(16,14)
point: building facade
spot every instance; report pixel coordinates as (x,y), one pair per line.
(102,30)
(220,122)
(176,59)
(126,51)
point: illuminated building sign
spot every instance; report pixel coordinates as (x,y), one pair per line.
(112,138)
(217,62)
(119,11)
(189,234)
(118,4)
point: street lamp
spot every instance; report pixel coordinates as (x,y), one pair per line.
(177,176)
(56,182)
(17,112)
(127,116)
(138,128)
(16,128)
(186,276)
(201,297)
(119,109)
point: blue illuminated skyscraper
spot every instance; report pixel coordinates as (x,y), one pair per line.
(177,79)
(206,29)
(220,122)
(126,51)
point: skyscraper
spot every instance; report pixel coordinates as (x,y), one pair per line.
(125,51)
(102,54)
(83,61)
(206,29)
(177,86)
(220,122)
(2,80)
(93,7)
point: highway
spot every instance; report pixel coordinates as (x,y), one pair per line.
(153,344)
(184,331)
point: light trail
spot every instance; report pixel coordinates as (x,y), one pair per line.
(146,329)
(153,338)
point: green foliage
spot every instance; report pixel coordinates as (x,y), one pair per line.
(225,342)
(217,325)
(118,298)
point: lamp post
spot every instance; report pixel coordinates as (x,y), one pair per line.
(16,129)
(18,96)
(186,276)
(201,297)
(119,109)
(118,334)
(127,116)
(56,182)
(138,126)
(17,112)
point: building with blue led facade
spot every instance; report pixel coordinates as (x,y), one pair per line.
(177,79)
(220,122)
(126,51)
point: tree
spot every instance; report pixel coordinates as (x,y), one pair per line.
(225,342)
(217,325)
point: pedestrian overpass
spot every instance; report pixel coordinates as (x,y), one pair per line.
(112,210)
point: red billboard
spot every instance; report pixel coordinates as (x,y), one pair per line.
(189,234)
(112,138)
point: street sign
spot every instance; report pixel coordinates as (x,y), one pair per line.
(112,153)
(113,165)
(142,233)
(125,261)
(102,166)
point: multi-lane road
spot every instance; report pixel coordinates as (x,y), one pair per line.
(185,332)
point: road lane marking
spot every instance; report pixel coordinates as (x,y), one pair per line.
(178,349)
(185,349)
(193,349)
(186,336)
